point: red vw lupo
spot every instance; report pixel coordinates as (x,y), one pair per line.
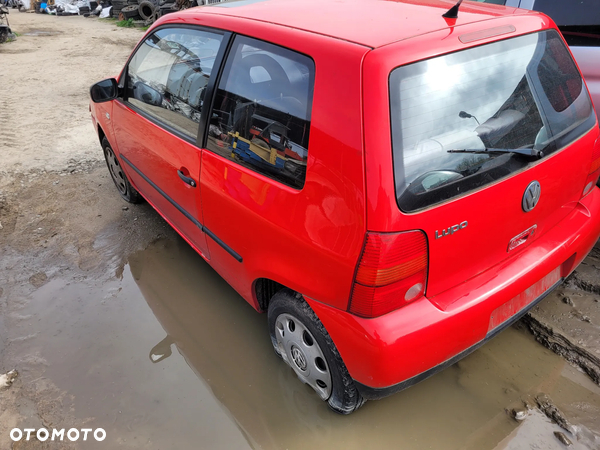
(393,185)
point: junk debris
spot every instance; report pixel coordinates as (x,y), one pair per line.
(142,12)
(6,34)
(15,4)
(6,379)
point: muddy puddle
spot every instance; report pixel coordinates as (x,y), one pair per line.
(41,32)
(167,355)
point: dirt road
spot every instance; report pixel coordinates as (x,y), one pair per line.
(45,79)
(112,321)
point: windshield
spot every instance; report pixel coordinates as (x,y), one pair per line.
(523,93)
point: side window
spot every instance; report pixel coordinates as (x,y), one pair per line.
(261,113)
(495,2)
(168,74)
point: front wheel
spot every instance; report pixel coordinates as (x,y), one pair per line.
(299,337)
(126,190)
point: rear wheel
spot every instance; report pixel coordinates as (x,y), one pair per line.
(126,190)
(299,337)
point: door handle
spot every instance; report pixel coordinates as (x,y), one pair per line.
(186,179)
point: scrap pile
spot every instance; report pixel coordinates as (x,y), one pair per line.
(148,11)
(6,33)
(145,11)
(140,12)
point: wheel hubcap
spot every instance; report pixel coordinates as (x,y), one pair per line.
(115,171)
(300,350)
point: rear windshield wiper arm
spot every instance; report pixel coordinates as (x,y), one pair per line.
(519,151)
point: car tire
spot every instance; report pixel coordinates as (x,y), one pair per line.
(126,190)
(146,10)
(301,340)
(130,12)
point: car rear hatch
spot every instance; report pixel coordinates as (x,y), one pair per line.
(491,148)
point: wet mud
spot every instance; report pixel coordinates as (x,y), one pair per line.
(163,353)
(568,320)
(41,32)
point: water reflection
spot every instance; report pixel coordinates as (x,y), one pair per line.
(226,344)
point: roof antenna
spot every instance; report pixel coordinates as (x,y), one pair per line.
(452,13)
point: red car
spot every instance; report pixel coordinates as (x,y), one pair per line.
(393,182)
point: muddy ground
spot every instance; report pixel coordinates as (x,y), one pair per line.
(112,321)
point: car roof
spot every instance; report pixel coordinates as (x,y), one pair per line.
(371,23)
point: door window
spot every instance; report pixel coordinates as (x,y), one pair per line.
(261,113)
(167,76)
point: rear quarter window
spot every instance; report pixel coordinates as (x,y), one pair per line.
(262,110)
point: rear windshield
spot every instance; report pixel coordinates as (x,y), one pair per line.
(464,120)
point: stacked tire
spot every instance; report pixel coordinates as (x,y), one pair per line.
(147,11)
(130,12)
(117,6)
(167,8)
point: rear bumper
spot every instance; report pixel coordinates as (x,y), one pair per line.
(392,352)
(371,393)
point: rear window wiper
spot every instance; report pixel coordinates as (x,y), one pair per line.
(518,151)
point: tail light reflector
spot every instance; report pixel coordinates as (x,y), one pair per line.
(392,272)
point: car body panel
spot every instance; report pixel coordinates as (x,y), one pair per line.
(484,242)
(289,235)
(310,239)
(398,346)
(354,21)
(102,117)
(159,156)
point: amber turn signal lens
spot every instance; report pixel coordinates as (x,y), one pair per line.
(391,273)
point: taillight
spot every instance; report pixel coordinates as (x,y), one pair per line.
(392,272)
(594,173)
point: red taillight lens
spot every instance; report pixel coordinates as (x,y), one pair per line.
(594,173)
(392,272)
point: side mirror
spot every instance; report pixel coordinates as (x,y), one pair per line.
(104,90)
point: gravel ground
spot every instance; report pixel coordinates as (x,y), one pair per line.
(46,76)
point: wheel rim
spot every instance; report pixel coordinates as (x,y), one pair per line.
(115,171)
(300,350)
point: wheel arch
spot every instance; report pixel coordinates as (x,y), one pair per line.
(265,289)
(101,134)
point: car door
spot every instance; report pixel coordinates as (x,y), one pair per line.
(157,119)
(254,163)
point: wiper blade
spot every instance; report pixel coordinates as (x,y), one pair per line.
(518,151)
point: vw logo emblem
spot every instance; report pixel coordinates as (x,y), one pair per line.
(531,196)
(299,358)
